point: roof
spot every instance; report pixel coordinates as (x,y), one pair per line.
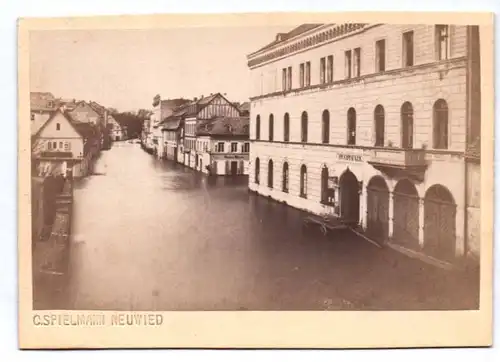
(196,106)
(282,37)
(86,130)
(244,107)
(174,103)
(42,95)
(224,126)
(39,101)
(97,107)
(172,123)
(37,124)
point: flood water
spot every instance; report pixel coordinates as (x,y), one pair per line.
(153,235)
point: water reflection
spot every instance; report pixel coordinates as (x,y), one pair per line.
(155,235)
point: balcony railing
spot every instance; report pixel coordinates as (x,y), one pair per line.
(56,154)
(400,158)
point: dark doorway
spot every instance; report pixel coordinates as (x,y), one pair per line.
(439,223)
(234,168)
(349,198)
(406,215)
(377,205)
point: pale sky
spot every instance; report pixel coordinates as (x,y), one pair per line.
(125,69)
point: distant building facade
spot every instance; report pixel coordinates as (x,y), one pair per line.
(162,108)
(63,144)
(370,122)
(198,112)
(222,146)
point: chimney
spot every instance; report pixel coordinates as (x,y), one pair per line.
(195,99)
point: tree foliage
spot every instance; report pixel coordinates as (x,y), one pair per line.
(132,121)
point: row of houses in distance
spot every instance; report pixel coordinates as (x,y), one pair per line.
(68,134)
(208,134)
(378,124)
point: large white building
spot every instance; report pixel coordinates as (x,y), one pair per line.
(371,122)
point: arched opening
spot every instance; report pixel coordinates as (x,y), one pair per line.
(257,171)
(326,126)
(257,127)
(270,174)
(271,127)
(349,197)
(304,125)
(286,127)
(406,214)
(407,125)
(303,181)
(285,180)
(440,124)
(379,116)
(377,205)
(351,126)
(439,223)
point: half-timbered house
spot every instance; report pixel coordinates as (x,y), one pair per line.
(203,109)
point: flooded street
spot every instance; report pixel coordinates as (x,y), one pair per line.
(154,235)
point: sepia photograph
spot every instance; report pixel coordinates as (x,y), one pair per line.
(329,166)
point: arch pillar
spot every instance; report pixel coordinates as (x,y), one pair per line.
(391,215)
(363,206)
(421,222)
(459,231)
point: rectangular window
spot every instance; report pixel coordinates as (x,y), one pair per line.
(289,84)
(380,55)
(348,64)
(220,147)
(442,42)
(322,70)
(32,116)
(408,49)
(234,147)
(283,79)
(61,145)
(246,147)
(357,62)
(301,75)
(329,69)
(66,146)
(54,145)
(49,145)
(308,74)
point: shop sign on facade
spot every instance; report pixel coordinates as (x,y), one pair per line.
(351,158)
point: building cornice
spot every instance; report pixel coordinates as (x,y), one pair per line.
(306,42)
(442,67)
(359,147)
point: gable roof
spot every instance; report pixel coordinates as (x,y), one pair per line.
(224,126)
(282,37)
(195,107)
(52,115)
(37,124)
